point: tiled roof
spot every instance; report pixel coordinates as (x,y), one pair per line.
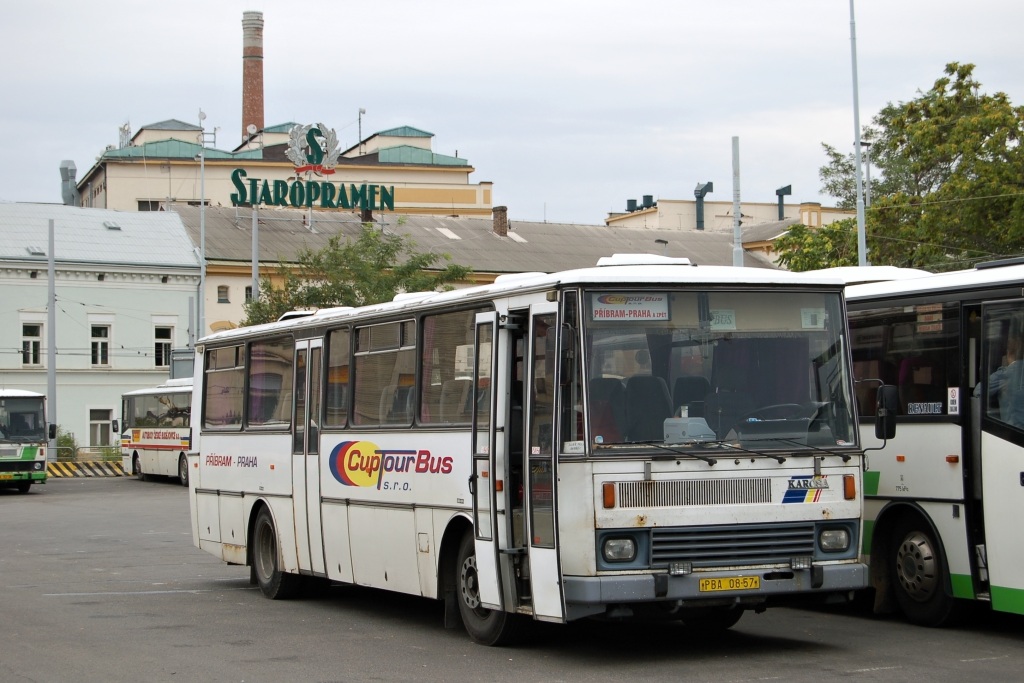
(472,242)
(94,236)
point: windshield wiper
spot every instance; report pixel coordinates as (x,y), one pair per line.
(777,458)
(792,442)
(657,444)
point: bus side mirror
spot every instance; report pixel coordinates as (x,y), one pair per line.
(113,427)
(887,403)
(52,431)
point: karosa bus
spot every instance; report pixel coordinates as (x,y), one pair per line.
(646,437)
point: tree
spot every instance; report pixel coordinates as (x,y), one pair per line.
(803,248)
(947,187)
(369,270)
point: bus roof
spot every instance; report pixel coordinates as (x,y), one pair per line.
(181,385)
(19,393)
(980,277)
(857,275)
(620,270)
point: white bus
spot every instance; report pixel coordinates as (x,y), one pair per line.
(641,438)
(942,499)
(23,436)
(156,430)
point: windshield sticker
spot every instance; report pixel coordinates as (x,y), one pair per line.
(640,306)
(723,319)
(812,318)
(573,448)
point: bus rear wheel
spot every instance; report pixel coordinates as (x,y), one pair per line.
(183,469)
(137,468)
(274,583)
(918,574)
(485,626)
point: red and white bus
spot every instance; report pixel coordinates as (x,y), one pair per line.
(646,437)
(156,430)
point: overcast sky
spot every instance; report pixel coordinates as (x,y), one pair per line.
(569,107)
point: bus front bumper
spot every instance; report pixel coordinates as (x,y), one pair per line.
(586,595)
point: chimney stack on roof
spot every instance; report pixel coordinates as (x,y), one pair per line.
(500,214)
(252,72)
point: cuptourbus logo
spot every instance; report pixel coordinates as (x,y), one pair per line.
(364,463)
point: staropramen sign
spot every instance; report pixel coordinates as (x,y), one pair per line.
(314,151)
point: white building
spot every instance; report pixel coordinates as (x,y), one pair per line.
(124,283)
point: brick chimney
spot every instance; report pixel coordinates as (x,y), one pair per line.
(252,71)
(500,214)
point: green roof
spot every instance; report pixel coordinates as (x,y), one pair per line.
(406,154)
(280,128)
(176,149)
(406,132)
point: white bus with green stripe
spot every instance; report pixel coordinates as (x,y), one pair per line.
(942,498)
(22,439)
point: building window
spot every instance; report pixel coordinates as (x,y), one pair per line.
(31,344)
(146,205)
(248,294)
(222,295)
(100,344)
(162,346)
(100,428)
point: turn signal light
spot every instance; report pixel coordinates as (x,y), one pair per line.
(849,487)
(608,493)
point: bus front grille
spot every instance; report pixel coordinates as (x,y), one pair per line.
(734,545)
(683,492)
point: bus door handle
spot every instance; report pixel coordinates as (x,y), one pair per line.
(472,484)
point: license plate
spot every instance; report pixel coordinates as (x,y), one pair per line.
(6,476)
(731,583)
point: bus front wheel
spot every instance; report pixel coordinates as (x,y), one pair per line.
(274,583)
(485,626)
(24,486)
(919,575)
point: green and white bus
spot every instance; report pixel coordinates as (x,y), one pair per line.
(23,437)
(942,499)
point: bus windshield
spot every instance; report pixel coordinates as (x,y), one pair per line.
(760,370)
(21,420)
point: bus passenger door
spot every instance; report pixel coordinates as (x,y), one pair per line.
(541,476)
(305,456)
(485,460)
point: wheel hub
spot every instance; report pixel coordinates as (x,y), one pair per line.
(469,583)
(916,567)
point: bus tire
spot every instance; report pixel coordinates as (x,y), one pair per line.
(712,619)
(137,468)
(183,470)
(24,486)
(273,583)
(485,626)
(918,574)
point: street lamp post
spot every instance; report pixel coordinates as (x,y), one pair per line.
(867,173)
(862,250)
(201,326)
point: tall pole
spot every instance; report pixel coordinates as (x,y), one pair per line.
(361,112)
(202,228)
(737,241)
(51,340)
(862,249)
(255,252)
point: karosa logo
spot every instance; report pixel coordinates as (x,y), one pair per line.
(364,463)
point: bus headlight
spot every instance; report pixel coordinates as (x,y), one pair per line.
(834,540)
(38,465)
(619,550)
